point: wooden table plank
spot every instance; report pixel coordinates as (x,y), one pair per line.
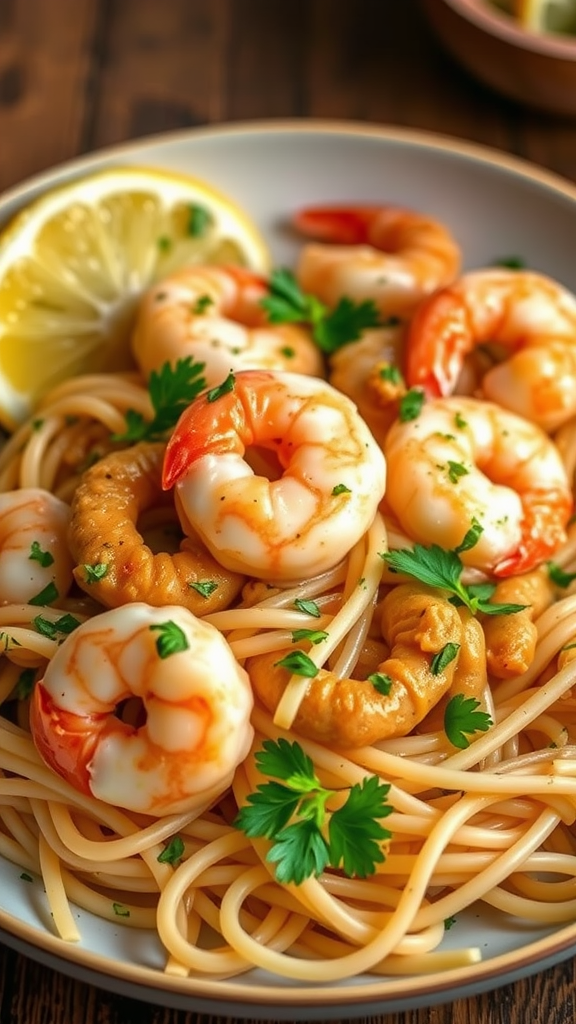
(45,67)
(76,75)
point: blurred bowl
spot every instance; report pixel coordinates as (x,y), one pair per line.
(537,69)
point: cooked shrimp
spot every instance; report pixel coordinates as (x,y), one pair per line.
(388,254)
(34,557)
(114,565)
(368,371)
(527,320)
(214,314)
(196,698)
(470,677)
(511,639)
(319,498)
(462,460)
(417,624)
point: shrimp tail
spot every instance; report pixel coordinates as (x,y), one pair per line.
(546,514)
(437,341)
(64,740)
(342,224)
(201,431)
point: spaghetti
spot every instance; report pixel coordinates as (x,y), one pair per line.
(490,822)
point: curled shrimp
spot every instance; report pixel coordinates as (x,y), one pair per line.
(463,460)
(511,639)
(113,563)
(389,254)
(326,474)
(368,371)
(197,702)
(417,624)
(34,556)
(526,321)
(214,314)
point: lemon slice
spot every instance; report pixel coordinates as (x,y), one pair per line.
(546,15)
(74,264)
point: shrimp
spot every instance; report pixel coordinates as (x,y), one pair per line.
(470,678)
(196,698)
(34,556)
(214,314)
(417,624)
(112,562)
(318,498)
(463,460)
(527,320)
(389,254)
(368,371)
(511,639)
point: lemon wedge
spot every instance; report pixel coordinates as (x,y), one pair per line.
(546,15)
(74,263)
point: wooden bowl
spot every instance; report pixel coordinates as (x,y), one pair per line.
(535,69)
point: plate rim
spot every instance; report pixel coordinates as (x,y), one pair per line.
(318,1001)
(418,137)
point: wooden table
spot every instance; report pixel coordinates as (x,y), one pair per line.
(76,75)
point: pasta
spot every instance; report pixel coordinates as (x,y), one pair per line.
(489,822)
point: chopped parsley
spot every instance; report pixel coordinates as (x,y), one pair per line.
(221,389)
(93,573)
(411,404)
(331,329)
(315,636)
(461,719)
(443,658)
(172,853)
(204,587)
(308,607)
(171,638)
(48,594)
(299,663)
(38,555)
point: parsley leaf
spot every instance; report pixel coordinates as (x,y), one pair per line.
(306,836)
(442,569)
(355,831)
(315,636)
(444,657)
(411,405)
(299,663)
(172,853)
(65,624)
(171,389)
(300,850)
(381,682)
(331,329)
(46,596)
(559,576)
(461,719)
(308,607)
(38,555)
(93,573)
(25,683)
(204,587)
(171,638)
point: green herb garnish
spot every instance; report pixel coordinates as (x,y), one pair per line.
(294,814)
(331,329)
(171,638)
(171,389)
(461,719)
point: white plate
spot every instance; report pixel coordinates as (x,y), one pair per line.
(496,206)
